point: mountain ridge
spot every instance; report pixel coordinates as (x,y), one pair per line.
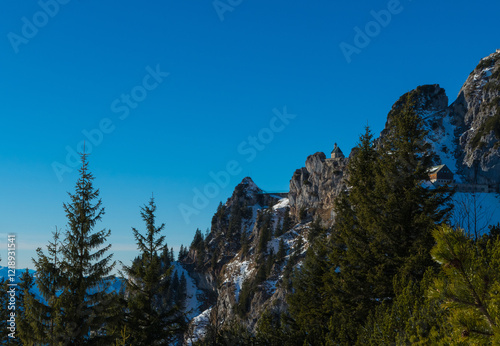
(460,135)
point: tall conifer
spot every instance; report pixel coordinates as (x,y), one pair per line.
(151,319)
(84,299)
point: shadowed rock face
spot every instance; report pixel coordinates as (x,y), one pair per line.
(477,110)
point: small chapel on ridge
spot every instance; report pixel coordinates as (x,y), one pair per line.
(337,153)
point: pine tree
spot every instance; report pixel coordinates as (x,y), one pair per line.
(265,233)
(307,304)
(45,316)
(270,262)
(182,292)
(281,254)
(386,218)
(469,290)
(198,243)
(285,224)
(354,278)
(84,300)
(269,330)
(173,290)
(24,330)
(410,318)
(183,252)
(166,259)
(244,242)
(151,320)
(171,256)
(408,210)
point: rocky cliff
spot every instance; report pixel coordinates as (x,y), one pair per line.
(477,110)
(314,187)
(245,236)
(256,239)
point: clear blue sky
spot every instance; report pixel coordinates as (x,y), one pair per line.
(68,68)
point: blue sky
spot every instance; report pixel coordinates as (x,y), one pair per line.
(172,93)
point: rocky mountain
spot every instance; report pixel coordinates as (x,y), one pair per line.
(245,236)
(242,266)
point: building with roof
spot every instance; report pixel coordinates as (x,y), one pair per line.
(337,153)
(440,175)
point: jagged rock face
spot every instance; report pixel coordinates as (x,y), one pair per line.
(477,109)
(314,187)
(216,271)
(428,99)
(465,135)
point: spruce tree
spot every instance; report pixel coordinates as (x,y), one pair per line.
(408,210)
(173,290)
(244,242)
(182,292)
(45,316)
(84,300)
(355,276)
(151,320)
(24,331)
(307,304)
(386,218)
(281,254)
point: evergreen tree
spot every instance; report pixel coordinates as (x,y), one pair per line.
(281,254)
(315,230)
(270,331)
(285,224)
(307,304)
(235,219)
(244,242)
(270,262)
(182,292)
(408,211)
(23,310)
(354,278)
(173,290)
(165,258)
(471,285)
(183,252)
(265,233)
(410,318)
(84,300)
(45,316)
(385,222)
(198,243)
(151,321)
(171,257)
